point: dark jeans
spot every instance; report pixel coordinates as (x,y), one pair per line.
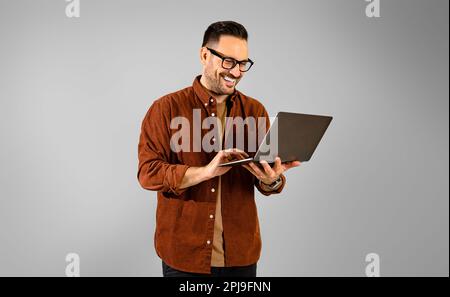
(241,271)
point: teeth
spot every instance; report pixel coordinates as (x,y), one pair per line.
(229,79)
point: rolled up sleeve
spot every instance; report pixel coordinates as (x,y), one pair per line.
(158,169)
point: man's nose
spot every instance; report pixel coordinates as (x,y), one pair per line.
(235,71)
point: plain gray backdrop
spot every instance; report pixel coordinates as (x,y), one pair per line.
(73,93)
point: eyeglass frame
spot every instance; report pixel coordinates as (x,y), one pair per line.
(236,62)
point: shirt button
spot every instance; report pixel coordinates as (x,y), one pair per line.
(213,190)
(212,100)
(211,216)
(208,241)
(206,104)
(213,114)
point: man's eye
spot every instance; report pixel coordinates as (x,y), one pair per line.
(228,62)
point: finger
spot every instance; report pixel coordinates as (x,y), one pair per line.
(277,167)
(259,173)
(294,164)
(291,164)
(228,151)
(231,151)
(249,169)
(225,155)
(237,155)
(267,168)
(241,154)
(236,150)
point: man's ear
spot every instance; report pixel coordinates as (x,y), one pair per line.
(203,55)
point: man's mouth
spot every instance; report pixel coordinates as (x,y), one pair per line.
(229,81)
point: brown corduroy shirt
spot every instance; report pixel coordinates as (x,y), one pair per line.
(185,217)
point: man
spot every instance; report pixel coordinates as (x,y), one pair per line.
(206,218)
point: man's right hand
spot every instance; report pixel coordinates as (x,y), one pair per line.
(212,169)
(196,175)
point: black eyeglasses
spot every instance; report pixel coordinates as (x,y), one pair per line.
(230,63)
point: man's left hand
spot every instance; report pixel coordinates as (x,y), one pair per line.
(267,174)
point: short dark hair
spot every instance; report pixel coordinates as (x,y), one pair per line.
(217,29)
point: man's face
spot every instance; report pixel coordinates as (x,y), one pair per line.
(219,80)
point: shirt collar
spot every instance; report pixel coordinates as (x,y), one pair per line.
(203,94)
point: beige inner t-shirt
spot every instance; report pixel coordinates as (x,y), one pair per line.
(218,253)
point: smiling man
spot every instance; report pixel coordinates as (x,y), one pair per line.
(206,218)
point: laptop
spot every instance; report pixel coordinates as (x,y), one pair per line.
(292,137)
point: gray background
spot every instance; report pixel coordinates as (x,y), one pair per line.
(73,93)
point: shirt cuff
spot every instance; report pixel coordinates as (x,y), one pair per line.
(174,177)
(276,191)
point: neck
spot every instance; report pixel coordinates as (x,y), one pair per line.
(220,98)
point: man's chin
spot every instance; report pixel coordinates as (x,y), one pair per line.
(228,91)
